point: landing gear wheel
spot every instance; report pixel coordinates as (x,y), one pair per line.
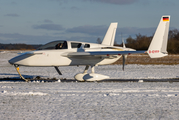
(90,77)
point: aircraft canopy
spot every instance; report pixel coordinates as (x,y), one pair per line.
(60,44)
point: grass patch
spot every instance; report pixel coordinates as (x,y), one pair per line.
(146,60)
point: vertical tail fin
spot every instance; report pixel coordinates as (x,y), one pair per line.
(158,45)
(110,35)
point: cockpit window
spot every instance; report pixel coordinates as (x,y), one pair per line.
(54,45)
(75,45)
(61,45)
(87,46)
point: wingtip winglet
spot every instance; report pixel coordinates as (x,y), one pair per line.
(110,34)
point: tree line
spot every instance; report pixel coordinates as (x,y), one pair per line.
(18,47)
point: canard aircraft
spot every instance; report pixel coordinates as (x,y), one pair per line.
(73,53)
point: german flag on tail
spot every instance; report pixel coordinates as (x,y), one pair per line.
(165,19)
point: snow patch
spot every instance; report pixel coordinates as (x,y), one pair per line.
(23,93)
(140,81)
(6,87)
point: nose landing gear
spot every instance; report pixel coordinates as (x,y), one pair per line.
(17,68)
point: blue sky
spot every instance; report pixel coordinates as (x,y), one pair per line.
(42,21)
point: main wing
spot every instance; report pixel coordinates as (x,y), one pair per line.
(102,53)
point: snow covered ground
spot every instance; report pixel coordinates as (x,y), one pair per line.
(89,100)
(104,100)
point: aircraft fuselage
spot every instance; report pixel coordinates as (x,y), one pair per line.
(57,57)
(46,58)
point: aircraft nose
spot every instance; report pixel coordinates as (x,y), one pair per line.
(17,60)
(12,61)
(21,59)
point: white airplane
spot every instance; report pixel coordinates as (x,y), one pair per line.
(73,53)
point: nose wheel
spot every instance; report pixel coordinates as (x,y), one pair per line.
(17,69)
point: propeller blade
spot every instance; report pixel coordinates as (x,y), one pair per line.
(124,46)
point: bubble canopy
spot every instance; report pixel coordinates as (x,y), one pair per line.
(59,44)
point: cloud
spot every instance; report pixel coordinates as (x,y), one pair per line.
(61,2)
(54,27)
(101,30)
(90,30)
(132,31)
(12,15)
(13,3)
(90,39)
(91,33)
(74,8)
(119,2)
(29,39)
(48,21)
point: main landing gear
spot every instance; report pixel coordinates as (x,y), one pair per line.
(90,77)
